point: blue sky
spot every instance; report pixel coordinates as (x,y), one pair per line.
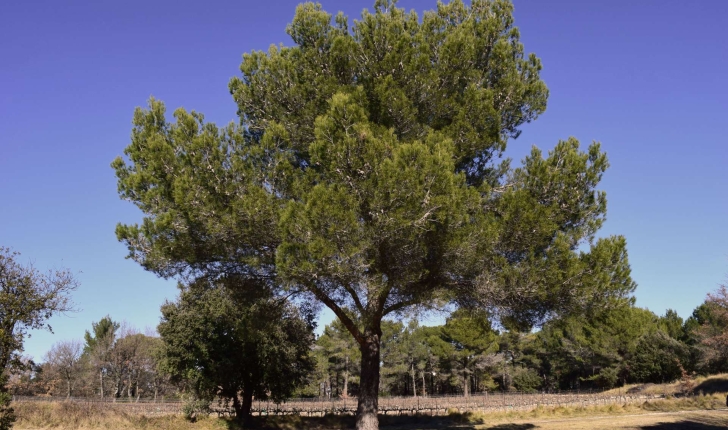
(647,79)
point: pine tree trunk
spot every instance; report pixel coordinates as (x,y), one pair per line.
(414,383)
(367,408)
(346,379)
(424,390)
(466,382)
(101,375)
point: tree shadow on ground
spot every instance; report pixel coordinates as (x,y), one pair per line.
(527,426)
(712,386)
(689,424)
(331,422)
(425,422)
(231,424)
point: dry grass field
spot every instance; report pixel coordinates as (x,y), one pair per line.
(706,410)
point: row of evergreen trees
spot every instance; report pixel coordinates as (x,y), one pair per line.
(466,355)
(616,346)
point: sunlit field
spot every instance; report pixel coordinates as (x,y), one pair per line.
(705,409)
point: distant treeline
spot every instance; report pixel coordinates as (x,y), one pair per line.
(112,361)
(616,346)
(466,355)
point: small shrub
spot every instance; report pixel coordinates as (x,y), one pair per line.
(527,380)
(606,378)
(196,408)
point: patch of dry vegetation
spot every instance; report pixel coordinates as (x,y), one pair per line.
(701,384)
(694,403)
(90,416)
(94,416)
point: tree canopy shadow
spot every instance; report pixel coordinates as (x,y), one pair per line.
(688,424)
(330,422)
(712,386)
(526,426)
(425,422)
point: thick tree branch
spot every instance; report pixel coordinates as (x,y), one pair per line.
(338,311)
(400,305)
(354,297)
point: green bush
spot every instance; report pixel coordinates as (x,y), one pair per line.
(195,408)
(606,378)
(527,380)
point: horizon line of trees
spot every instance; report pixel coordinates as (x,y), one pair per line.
(113,360)
(466,355)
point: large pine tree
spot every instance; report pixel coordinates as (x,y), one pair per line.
(366,172)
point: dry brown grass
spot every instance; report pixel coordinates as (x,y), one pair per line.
(696,403)
(702,384)
(89,416)
(80,416)
(704,420)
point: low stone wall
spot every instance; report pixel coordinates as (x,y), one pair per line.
(444,405)
(440,405)
(140,407)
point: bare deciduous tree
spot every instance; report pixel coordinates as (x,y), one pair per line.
(64,360)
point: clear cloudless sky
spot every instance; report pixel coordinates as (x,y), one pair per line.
(646,78)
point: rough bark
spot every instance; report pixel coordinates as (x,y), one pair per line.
(368,405)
